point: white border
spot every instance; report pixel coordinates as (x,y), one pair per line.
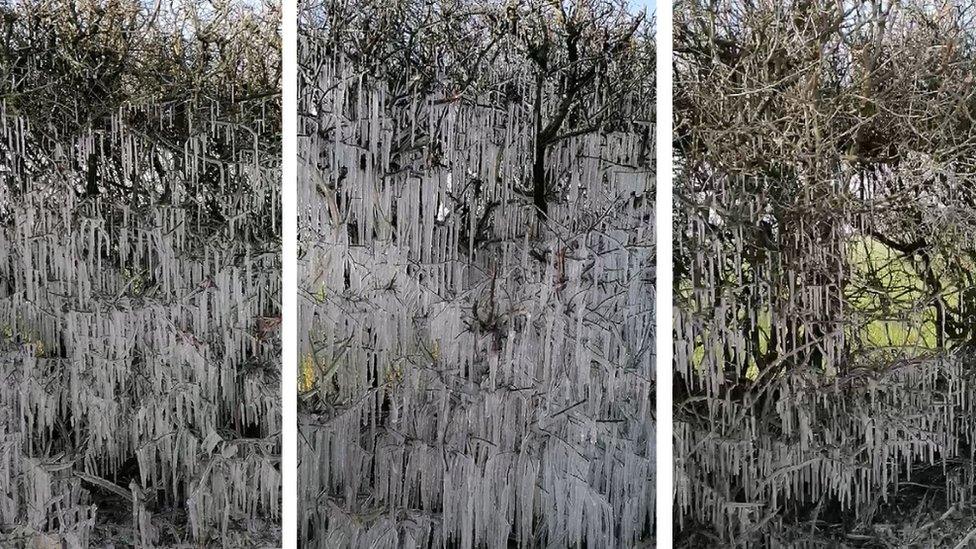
(289,281)
(664,471)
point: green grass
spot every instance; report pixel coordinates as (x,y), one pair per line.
(892,311)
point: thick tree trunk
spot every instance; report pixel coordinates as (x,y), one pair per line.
(539,158)
(91,175)
(539,181)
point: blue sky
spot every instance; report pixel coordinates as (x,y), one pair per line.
(649,4)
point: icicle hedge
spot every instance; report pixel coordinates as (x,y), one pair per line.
(140,269)
(476,370)
(824,267)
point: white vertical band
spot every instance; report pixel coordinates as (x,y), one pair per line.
(289,282)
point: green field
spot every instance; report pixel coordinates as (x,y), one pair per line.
(891,309)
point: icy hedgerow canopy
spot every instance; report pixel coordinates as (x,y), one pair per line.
(139,273)
(824,272)
(476,277)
